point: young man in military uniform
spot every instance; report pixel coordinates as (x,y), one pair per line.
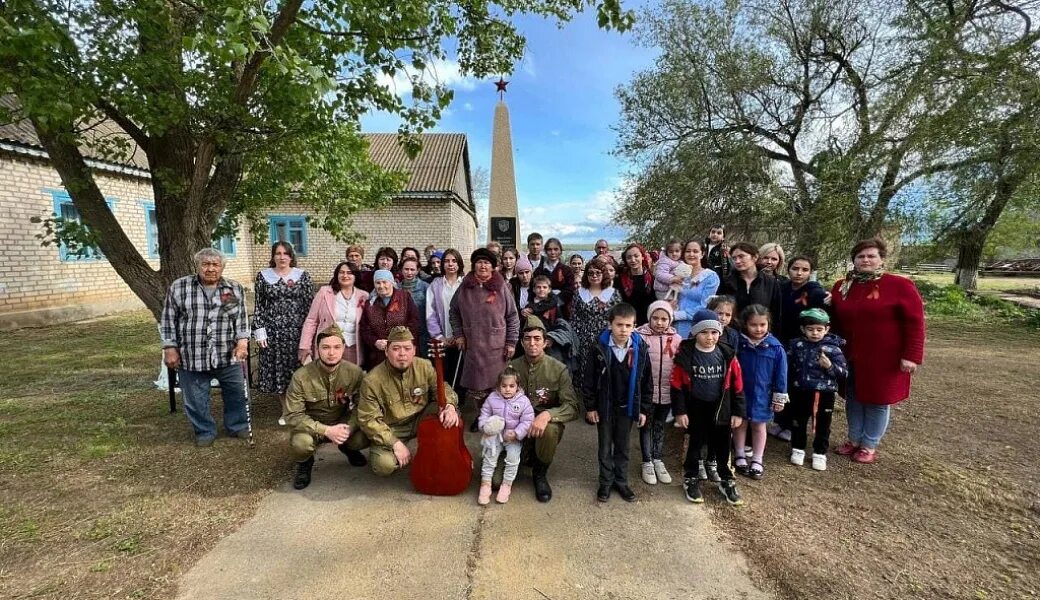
(318,406)
(547,383)
(394,398)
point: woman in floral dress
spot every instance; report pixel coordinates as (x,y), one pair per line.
(590,307)
(283,297)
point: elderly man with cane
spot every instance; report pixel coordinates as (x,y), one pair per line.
(205,332)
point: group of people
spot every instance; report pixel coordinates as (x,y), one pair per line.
(729,342)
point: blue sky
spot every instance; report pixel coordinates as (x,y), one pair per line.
(562,106)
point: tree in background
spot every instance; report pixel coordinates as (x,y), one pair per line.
(988,115)
(240,105)
(813,118)
(481,197)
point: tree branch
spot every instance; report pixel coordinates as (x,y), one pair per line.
(125,123)
(247,81)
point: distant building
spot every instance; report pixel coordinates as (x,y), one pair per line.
(44,284)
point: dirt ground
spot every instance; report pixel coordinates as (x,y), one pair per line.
(950,510)
(102,494)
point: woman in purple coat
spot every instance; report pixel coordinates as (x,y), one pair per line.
(486,325)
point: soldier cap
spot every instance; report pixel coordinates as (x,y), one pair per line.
(330,331)
(400,333)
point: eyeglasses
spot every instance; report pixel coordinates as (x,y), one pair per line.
(592,273)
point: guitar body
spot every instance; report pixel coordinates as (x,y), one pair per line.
(442,465)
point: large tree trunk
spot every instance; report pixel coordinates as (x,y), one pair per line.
(78,179)
(969,254)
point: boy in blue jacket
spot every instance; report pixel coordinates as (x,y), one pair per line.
(618,392)
(818,365)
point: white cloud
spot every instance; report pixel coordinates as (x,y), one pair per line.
(468,106)
(445,72)
(555,133)
(575,221)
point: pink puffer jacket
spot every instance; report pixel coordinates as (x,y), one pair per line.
(663,347)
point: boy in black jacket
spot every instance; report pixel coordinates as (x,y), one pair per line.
(618,392)
(708,400)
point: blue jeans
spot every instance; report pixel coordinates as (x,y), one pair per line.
(867,422)
(195,387)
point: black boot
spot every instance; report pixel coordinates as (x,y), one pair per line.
(303,474)
(542,491)
(355,457)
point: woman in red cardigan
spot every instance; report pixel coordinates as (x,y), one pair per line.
(387,308)
(882,318)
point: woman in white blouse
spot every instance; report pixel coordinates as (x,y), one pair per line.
(438,303)
(338,302)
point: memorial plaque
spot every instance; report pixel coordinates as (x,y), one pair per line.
(503,231)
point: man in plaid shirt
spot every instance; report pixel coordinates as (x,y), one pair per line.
(204,325)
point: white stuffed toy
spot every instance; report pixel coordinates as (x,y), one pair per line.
(681,270)
(492,440)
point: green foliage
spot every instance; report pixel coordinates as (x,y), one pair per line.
(818,120)
(78,239)
(952,301)
(240,105)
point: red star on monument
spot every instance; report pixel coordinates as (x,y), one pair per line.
(500,86)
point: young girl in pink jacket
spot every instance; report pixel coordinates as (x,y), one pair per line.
(663,342)
(505,418)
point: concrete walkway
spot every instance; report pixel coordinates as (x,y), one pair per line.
(353,536)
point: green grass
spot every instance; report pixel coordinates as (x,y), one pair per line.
(102,489)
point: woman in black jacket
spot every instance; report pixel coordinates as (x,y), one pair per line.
(749,286)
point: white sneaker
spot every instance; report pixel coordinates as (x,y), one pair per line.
(819,462)
(649,476)
(798,457)
(662,473)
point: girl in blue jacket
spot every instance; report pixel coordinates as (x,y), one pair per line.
(763,363)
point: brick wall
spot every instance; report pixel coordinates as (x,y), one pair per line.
(35,284)
(36,287)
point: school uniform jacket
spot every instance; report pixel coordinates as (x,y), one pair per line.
(597,389)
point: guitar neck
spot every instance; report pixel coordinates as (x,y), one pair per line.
(438,366)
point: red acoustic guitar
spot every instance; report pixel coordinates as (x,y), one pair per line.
(442,465)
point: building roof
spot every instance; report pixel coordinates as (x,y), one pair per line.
(433,170)
(432,173)
(21,134)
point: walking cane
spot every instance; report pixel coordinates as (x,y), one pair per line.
(245,389)
(458,364)
(171,381)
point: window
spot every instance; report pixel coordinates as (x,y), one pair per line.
(225,244)
(292,230)
(66,211)
(151,230)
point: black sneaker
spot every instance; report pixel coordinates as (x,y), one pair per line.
(712,467)
(729,492)
(693,490)
(603,493)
